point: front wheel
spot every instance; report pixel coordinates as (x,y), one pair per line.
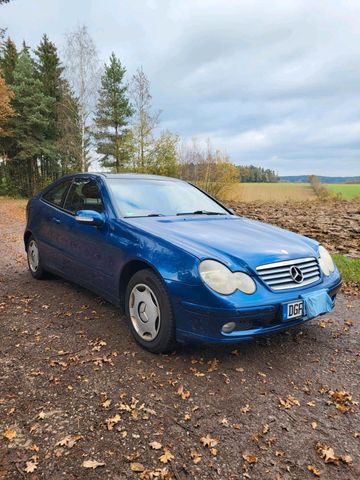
(34,261)
(149,312)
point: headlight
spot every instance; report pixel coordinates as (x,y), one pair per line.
(224,281)
(325,261)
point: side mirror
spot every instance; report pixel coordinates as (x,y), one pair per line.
(89,217)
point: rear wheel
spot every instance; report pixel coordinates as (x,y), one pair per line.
(34,260)
(149,312)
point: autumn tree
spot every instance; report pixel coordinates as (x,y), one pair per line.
(82,73)
(145,122)
(6,110)
(210,169)
(113,111)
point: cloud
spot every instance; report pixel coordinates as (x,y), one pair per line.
(272,83)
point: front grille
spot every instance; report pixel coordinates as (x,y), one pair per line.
(278,275)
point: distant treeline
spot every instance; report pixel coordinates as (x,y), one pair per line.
(251,174)
(322,179)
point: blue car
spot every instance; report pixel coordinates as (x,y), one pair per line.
(182,266)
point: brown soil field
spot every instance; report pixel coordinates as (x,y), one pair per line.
(335,224)
(79,399)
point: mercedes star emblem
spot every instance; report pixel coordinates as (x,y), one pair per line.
(296,274)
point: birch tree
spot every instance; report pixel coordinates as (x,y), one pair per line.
(83,74)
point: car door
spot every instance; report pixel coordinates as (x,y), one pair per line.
(89,257)
(49,229)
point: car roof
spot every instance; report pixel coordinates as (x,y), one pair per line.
(128,176)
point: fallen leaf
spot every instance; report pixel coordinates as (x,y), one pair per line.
(346,459)
(155,445)
(249,457)
(327,453)
(69,441)
(111,422)
(314,470)
(137,467)
(245,409)
(166,456)
(31,466)
(92,464)
(208,441)
(106,403)
(196,457)
(213,365)
(184,394)
(9,434)
(289,402)
(313,425)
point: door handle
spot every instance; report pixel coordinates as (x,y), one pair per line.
(56,220)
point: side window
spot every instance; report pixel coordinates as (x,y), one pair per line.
(57,195)
(84,194)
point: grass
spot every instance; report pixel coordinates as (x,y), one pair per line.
(268,192)
(347,191)
(348,267)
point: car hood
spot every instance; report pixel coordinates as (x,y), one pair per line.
(236,241)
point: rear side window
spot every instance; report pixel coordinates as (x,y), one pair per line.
(57,195)
(84,194)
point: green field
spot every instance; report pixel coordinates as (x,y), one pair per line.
(347,191)
(349,268)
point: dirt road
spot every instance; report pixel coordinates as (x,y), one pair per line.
(75,390)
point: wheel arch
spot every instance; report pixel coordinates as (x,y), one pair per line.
(27,236)
(129,269)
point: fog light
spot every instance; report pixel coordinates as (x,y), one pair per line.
(228,327)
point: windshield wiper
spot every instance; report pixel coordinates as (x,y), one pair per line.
(143,216)
(201,212)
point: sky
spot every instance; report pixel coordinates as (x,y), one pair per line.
(272,83)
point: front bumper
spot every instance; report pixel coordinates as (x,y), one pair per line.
(203,323)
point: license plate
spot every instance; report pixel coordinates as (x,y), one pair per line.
(293,310)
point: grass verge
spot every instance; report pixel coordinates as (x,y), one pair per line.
(348,267)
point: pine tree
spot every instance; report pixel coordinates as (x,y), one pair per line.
(30,124)
(8,58)
(49,72)
(113,111)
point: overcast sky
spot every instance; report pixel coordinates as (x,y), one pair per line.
(273,83)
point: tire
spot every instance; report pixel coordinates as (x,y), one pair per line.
(34,259)
(149,313)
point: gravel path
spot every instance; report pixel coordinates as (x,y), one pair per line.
(75,390)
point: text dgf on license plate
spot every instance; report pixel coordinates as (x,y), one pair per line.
(293,309)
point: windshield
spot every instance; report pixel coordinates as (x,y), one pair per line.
(147,197)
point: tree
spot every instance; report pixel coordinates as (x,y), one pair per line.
(211,169)
(165,155)
(83,75)
(113,111)
(6,110)
(49,72)
(30,124)
(145,121)
(8,60)
(68,144)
